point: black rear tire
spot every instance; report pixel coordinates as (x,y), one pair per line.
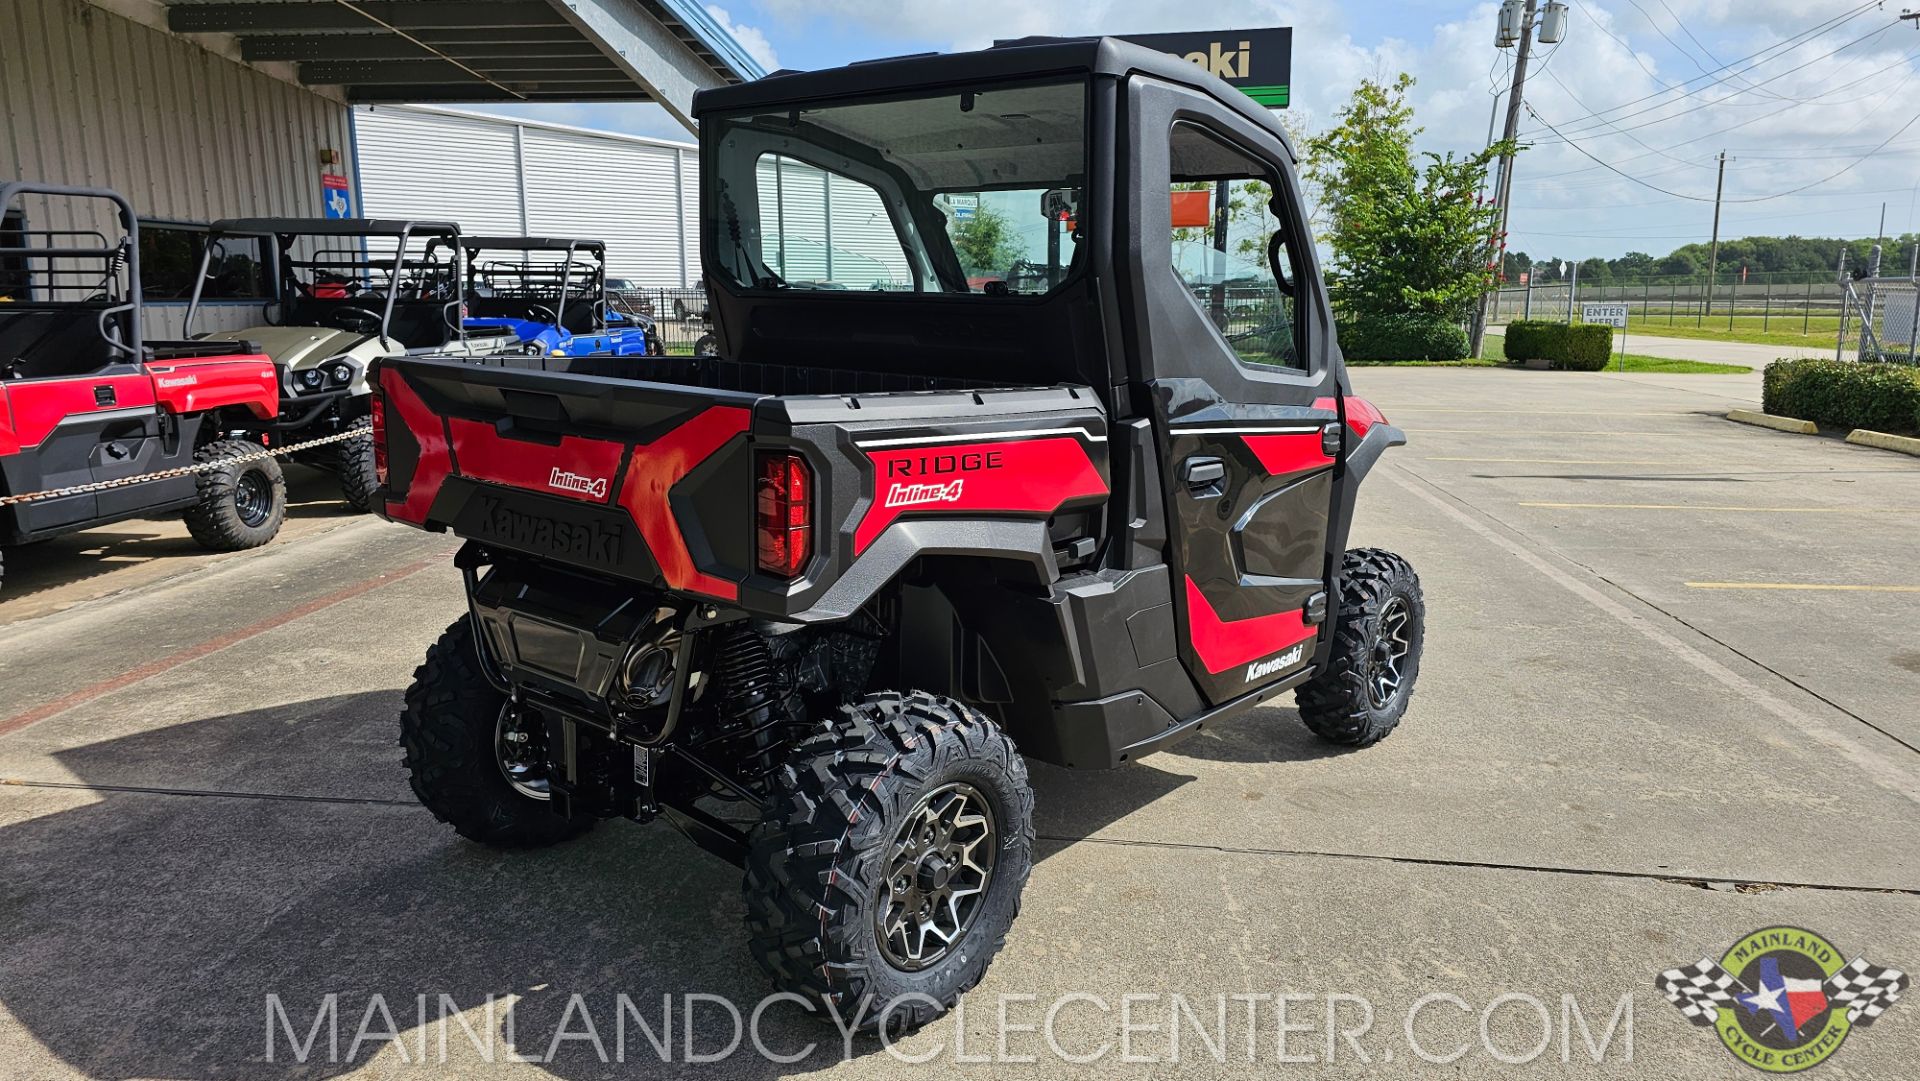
(241,506)
(353,461)
(450,729)
(1363,692)
(703,346)
(821,868)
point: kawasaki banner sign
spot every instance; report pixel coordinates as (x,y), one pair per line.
(1259,62)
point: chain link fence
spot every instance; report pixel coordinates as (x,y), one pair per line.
(1793,308)
(680,316)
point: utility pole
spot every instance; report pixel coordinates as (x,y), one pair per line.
(1504,185)
(1713,253)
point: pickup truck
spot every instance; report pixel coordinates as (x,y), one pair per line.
(835,581)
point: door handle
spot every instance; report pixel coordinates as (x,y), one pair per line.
(1203,475)
(1332,439)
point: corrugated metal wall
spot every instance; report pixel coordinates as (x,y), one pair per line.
(827,227)
(94,99)
(497,175)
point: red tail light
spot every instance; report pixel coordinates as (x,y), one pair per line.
(783,514)
(378,405)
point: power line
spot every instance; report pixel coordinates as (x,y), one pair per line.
(1786,44)
(1725,100)
(1887,96)
(1703,199)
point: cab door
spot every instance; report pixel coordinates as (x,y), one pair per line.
(1234,351)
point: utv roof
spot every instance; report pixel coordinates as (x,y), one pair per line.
(337,226)
(532,243)
(1021,59)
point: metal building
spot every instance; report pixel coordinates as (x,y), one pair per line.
(527,178)
(639,195)
(203,109)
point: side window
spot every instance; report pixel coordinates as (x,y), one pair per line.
(822,230)
(170,257)
(1230,250)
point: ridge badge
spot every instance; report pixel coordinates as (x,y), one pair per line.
(1783,999)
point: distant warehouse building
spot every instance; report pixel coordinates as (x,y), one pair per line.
(510,177)
(502,175)
(198,110)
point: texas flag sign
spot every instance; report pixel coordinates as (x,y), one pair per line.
(336,197)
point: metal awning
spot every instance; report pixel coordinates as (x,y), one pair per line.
(395,51)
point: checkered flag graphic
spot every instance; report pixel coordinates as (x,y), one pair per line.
(1699,989)
(1865,989)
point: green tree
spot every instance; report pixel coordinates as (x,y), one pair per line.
(985,242)
(1407,233)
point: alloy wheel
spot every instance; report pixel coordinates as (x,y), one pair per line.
(938,869)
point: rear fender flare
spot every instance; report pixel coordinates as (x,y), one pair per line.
(1022,547)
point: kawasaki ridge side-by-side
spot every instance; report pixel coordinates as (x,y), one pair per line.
(114,424)
(812,600)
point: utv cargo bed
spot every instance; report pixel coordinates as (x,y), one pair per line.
(658,482)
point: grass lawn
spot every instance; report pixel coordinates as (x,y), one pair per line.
(1744,330)
(1495,356)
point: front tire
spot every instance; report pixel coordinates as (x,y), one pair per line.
(353,462)
(1363,692)
(891,859)
(241,506)
(461,761)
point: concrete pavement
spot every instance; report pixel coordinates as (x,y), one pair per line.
(1608,769)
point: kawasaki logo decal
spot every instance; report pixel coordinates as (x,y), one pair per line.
(1263,669)
(592,543)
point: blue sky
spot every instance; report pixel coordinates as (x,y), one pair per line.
(1653,88)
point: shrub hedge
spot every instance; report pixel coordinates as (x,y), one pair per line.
(1402,337)
(1573,347)
(1844,394)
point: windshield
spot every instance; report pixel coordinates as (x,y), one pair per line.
(964,192)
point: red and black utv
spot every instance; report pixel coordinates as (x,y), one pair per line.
(86,403)
(829,580)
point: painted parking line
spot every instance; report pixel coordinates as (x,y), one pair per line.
(1540,431)
(211,646)
(1540,412)
(1558,461)
(1710,508)
(1809,586)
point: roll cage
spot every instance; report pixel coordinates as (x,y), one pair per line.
(570,283)
(69,299)
(327,270)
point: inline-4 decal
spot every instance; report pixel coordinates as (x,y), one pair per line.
(1011,473)
(576,467)
(1223,644)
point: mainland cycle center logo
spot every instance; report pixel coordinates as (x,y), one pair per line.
(1783,999)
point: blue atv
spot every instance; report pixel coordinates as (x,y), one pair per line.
(547,297)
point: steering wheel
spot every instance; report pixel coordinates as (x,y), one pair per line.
(544,314)
(362,320)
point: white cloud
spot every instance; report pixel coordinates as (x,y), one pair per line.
(1798,129)
(749,37)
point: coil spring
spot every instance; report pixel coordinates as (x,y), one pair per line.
(761,718)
